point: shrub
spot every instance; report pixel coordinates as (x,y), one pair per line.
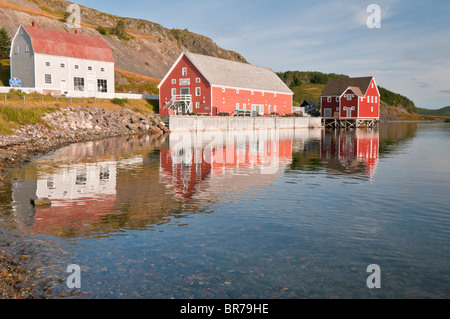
(120,102)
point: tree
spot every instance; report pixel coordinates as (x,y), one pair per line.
(120,31)
(5,44)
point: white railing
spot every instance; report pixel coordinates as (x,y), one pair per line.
(83,94)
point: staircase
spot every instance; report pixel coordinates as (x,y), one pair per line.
(180,104)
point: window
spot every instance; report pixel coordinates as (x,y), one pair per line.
(368,99)
(253,92)
(174,81)
(275,95)
(89,68)
(197,80)
(16,50)
(237,91)
(48,79)
(77,67)
(184,72)
(223,90)
(371,109)
(327,113)
(349,97)
(198,92)
(27,48)
(244,107)
(63,65)
(371,99)
(102,69)
(197,105)
(338,98)
(237,106)
(376,99)
(329,99)
(78,84)
(174,92)
(275,109)
(48,64)
(262,93)
(102,85)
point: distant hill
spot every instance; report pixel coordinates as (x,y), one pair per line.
(445,111)
(308,85)
(145,47)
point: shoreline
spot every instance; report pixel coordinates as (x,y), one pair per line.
(18,278)
(72,125)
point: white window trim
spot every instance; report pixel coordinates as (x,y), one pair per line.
(329,99)
(48,64)
(174,81)
(223,90)
(198,91)
(184,72)
(197,105)
(90,68)
(198,80)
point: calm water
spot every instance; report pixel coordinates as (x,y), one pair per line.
(287,214)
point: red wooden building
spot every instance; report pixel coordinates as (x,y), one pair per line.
(206,85)
(351,101)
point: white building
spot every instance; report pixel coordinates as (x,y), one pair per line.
(62,63)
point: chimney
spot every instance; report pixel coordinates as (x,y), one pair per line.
(34,24)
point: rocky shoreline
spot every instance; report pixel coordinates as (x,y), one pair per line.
(61,128)
(73,125)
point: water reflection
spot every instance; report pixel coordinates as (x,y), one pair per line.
(139,183)
(351,152)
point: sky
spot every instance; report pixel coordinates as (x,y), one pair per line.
(409,53)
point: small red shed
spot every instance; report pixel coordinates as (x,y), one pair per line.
(206,85)
(351,98)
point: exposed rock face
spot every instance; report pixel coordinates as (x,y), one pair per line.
(151,49)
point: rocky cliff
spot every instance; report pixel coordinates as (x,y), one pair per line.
(148,48)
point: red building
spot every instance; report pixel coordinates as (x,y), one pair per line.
(206,85)
(351,98)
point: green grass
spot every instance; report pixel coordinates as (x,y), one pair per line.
(307,91)
(445,111)
(12,116)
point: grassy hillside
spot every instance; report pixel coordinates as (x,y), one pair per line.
(307,85)
(141,46)
(445,111)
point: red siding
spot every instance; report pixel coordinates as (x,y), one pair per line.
(370,109)
(346,104)
(333,105)
(165,92)
(219,101)
(227,101)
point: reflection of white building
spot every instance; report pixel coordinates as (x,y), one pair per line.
(79,181)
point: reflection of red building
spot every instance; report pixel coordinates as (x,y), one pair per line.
(348,149)
(186,167)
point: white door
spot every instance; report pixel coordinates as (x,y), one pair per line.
(349,112)
(63,85)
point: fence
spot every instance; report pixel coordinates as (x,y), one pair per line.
(82,94)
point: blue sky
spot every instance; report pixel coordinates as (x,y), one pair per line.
(409,54)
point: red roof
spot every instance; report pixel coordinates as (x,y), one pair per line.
(60,43)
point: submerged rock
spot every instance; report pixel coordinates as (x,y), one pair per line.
(41,202)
